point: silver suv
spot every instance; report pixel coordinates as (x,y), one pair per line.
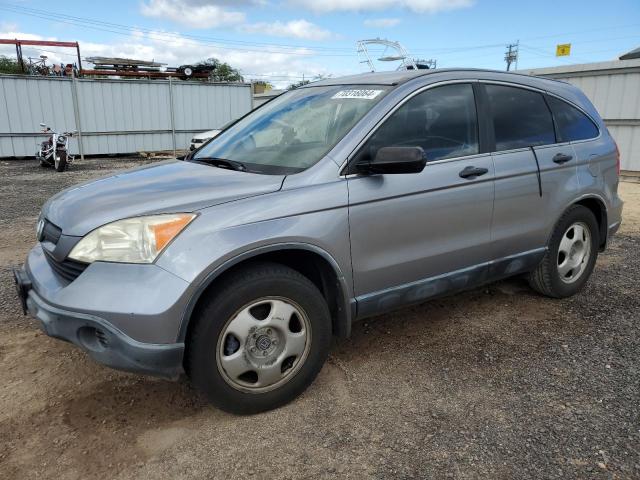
(333,202)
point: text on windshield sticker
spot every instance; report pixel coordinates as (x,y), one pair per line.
(364,94)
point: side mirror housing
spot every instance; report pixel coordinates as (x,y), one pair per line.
(392,160)
(43,125)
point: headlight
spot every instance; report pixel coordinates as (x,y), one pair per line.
(132,240)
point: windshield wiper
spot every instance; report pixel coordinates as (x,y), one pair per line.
(223,163)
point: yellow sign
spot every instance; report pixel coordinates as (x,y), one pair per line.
(563,50)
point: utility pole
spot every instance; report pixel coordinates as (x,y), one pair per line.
(511,55)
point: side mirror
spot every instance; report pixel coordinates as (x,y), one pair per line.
(43,125)
(395,160)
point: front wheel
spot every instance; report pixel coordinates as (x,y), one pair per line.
(571,255)
(260,340)
(60,161)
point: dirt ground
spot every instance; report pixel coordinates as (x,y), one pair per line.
(494,383)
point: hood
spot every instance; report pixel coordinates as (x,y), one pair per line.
(167,187)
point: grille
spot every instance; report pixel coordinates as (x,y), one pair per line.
(67,269)
(102,338)
(50,232)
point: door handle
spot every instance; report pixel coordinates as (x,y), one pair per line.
(472,172)
(561,158)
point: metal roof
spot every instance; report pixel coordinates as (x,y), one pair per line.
(586,69)
(631,55)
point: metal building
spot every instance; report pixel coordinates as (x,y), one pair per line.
(114,116)
(614,89)
(260,98)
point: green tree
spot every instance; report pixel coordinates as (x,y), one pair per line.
(9,65)
(301,83)
(221,71)
(305,82)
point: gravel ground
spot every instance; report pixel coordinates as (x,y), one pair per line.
(494,383)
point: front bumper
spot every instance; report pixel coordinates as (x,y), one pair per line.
(123,315)
(101,340)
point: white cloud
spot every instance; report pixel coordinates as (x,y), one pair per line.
(217,13)
(8,26)
(11,31)
(295,28)
(195,14)
(419,6)
(381,22)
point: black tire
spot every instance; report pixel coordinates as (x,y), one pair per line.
(238,289)
(546,278)
(61,162)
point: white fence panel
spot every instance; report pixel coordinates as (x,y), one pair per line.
(115,116)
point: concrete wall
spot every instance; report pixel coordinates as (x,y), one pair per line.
(614,89)
(114,116)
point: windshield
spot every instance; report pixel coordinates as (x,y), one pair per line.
(294,131)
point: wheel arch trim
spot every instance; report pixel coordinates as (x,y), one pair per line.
(576,201)
(348,303)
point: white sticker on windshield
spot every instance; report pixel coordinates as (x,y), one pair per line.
(364,94)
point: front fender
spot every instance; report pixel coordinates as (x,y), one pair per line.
(196,292)
(313,218)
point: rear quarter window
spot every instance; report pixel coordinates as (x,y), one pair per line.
(571,123)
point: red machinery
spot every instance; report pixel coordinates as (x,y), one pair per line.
(39,43)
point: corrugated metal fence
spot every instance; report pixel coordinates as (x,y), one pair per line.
(614,89)
(617,98)
(114,116)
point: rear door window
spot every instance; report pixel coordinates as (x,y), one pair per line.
(571,123)
(521,118)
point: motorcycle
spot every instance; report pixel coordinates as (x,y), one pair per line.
(53,152)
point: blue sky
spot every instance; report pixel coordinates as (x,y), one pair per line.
(282,40)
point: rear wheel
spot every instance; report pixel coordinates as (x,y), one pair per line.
(260,340)
(571,255)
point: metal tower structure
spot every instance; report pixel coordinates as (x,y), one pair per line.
(398,54)
(511,55)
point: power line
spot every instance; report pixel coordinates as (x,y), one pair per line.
(543,53)
(285,49)
(108,27)
(220,42)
